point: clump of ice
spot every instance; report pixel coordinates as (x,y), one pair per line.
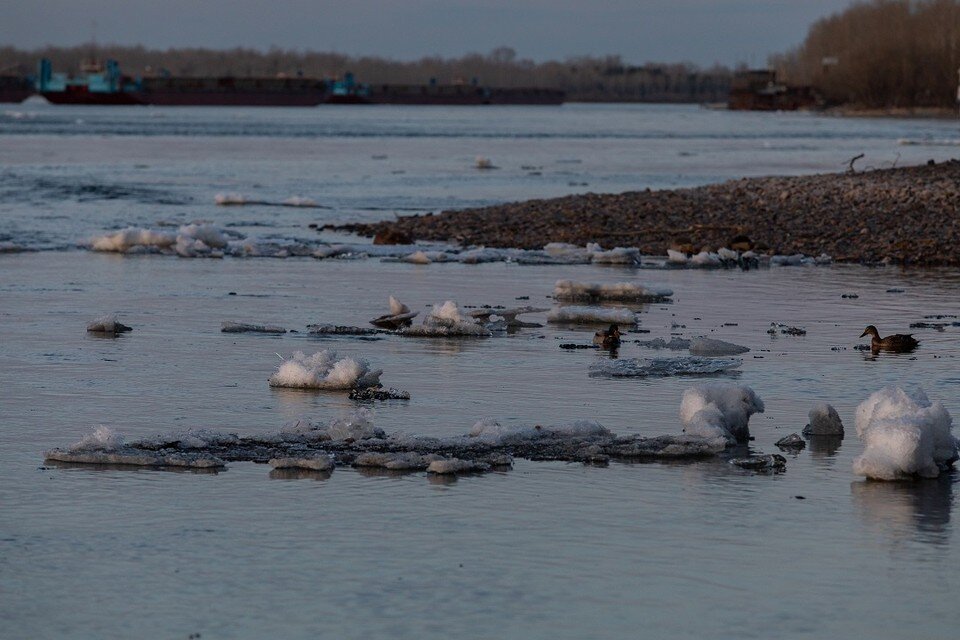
(354,426)
(904,435)
(242,327)
(706,259)
(450,466)
(102,438)
(702,346)
(137,458)
(206,233)
(445,320)
(592,315)
(300,201)
(492,432)
(395,461)
(320,462)
(397,307)
(675,344)
(677,257)
(623,291)
(617,255)
(107,324)
(481,255)
(227,199)
(663,367)
(131,237)
(824,421)
(719,411)
(324,370)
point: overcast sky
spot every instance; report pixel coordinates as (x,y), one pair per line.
(699,31)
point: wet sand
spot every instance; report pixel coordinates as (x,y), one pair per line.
(905,215)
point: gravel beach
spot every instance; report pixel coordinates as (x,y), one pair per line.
(908,215)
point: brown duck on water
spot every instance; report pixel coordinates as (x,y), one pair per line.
(607,338)
(898,342)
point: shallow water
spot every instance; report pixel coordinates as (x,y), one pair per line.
(543,550)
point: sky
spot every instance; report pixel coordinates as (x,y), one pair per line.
(700,31)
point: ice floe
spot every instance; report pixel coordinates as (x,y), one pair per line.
(315,462)
(340,330)
(576,314)
(824,421)
(719,411)
(701,346)
(399,316)
(904,435)
(324,370)
(108,324)
(663,367)
(675,344)
(106,447)
(617,292)
(508,316)
(770,462)
(242,327)
(378,393)
(792,442)
(445,320)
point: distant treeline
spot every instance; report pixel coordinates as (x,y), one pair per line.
(602,79)
(884,53)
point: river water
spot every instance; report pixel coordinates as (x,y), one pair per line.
(547,549)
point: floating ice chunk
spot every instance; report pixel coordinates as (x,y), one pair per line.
(340,330)
(481,255)
(824,421)
(706,259)
(592,315)
(677,257)
(418,257)
(107,324)
(795,260)
(375,393)
(137,458)
(662,367)
(102,438)
(399,316)
(324,370)
(792,442)
(617,255)
(719,410)
(445,320)
(702,346)
(455,465)
(904,435)
(242,327)
(396,461)
(771,462)
(131,237)
(397,307)
(675,344)
(206,233)
(300,201)
(727,255)
(189,439)
(228,199)
(493,433)
(619,291)
(356,426)
(565,252)
(316,462)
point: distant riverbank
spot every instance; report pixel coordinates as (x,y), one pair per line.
(908,215)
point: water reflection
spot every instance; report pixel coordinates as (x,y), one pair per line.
(299,474)
(824,446)
(903,510)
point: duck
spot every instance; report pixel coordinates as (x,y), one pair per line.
(608,338)
(898,342)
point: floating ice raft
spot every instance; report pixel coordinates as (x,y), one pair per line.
(575,314)
(446,321)
(324,370)
(243,327)
(617,292)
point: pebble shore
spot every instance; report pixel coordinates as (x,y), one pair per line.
(908,215)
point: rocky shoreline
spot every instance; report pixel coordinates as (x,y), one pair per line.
(907,215)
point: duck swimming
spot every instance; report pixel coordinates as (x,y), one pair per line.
(898,342)
(608,338)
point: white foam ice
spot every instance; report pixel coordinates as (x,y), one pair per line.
(300,201)
(663,367)
(618,291)
(397,307)
(719,411)
(824,421)
(102,438)
(904,435)
(324,370)
(677,257)
(445,320)
(592,315)
(702,346)
(617,255)
(706,259)
(132,237)
(227,199)
(357,425)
